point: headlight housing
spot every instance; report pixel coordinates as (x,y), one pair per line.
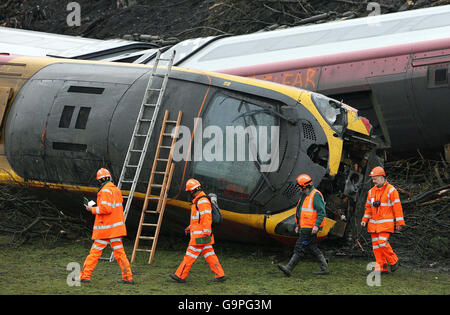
(332,111)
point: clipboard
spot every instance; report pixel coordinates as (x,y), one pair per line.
(88,202)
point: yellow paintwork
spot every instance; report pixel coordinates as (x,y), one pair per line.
(274,219)
(356,124)
(335,144)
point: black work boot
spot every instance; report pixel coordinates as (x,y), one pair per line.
(176,278)
(394,267)
(125,281)
(323,265)
(290,266)
(220,279)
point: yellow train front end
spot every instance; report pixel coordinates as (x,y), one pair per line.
(63,119)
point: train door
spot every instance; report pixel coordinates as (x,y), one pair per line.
(77,128)
(430,87)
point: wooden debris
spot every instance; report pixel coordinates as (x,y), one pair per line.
(25,217)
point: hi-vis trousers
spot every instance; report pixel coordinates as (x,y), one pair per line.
(192,253)
(96,252)
(382,251)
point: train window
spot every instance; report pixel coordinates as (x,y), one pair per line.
(66,116)
(82,118)
(228,166)
(437,76)
(85,89)
(440,76)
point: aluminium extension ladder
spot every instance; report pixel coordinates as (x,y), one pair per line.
(160,179)
(142,132)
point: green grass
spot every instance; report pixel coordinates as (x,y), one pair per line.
(37,269)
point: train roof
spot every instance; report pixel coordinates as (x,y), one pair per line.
(339,37)
(33,43)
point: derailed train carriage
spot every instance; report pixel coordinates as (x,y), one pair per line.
(64,119)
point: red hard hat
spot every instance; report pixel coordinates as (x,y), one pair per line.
(103,172)
(378,171)
(192,184)
(304,180)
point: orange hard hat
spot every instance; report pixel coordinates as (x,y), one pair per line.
(377,171)
(192,184)
(304,180)
(102,173)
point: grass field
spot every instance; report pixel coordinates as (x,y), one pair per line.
(37,269)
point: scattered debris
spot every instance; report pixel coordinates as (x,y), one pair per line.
(25,216)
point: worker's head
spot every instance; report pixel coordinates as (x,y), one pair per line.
(193,186)
(103,175)
(304,181)
(378,176)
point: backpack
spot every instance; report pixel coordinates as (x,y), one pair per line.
(216,215)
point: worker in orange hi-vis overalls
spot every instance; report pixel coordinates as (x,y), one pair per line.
(383,212)
(201,235)
(109,228)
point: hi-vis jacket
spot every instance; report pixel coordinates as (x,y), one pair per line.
(306,215)
(201,219)
(109,218)
(382,218)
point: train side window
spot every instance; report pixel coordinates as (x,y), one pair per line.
(229,169)
(437,76)
(82,118)
(66,116)
(440,76)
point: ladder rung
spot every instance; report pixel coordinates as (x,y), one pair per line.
(143,250)
(152,89)
(159,172)
(145,120)
(151,211)
(130,165)
(127,181)
(165,147)
(167,134)
(150,104)
(134,150)
(139,135)
(171,121)
(147,237)
(164,59)
(166,160)
(149,224)
(157,185)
